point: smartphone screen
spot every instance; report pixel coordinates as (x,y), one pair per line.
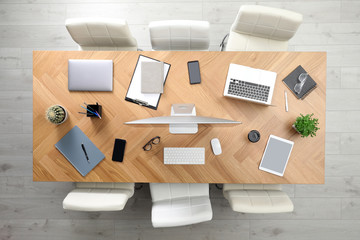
(119,150)
(194,72)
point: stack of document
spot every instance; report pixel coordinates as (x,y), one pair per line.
(152,77)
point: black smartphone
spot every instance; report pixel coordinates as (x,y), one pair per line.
(119,150)
(194,72)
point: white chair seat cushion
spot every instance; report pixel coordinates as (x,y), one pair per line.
(181,211)
(259,201)
(179,35)
(83,199)
(243,42)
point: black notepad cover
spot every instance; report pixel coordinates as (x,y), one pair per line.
(292,79)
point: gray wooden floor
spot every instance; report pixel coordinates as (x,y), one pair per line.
(34,210)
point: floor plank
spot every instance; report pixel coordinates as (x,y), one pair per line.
(342,165)
(16,101)
(11,123)
(16,79)
(349,143)
(16,166)
(343,121)
(304,229)
(19,143)
(32,14)
(143,230)
(57,229)
(138,13)
(10,58)
(333,187)
(350,77)
(350,208)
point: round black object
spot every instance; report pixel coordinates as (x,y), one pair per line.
(254,136)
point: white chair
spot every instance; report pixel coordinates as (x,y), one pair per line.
(179,35)
(179,204)
(101,34)
(98,196)
(257,198)
(260,28)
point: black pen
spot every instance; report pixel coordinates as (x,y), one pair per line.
(83,148)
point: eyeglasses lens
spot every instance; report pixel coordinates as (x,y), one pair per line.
(147,147)
(156,141)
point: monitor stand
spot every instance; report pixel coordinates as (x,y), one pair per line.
(183,110)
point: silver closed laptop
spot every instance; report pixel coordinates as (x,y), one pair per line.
(90,75)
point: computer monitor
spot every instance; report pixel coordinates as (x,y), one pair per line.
(183,120)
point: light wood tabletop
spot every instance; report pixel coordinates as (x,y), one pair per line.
(240,159)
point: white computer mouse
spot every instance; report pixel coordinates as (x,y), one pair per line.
(216,146)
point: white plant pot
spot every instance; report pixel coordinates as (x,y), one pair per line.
(293,126)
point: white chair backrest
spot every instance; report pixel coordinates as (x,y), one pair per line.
(266,22)
(167,191)
(179,35)
(101,34)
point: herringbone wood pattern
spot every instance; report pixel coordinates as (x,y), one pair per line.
(240,159)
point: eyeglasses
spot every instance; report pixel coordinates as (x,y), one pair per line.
(301,81)
(148,146)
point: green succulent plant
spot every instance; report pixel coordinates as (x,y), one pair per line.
(56,114)
(306,125)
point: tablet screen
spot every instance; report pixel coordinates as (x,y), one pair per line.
(276,154)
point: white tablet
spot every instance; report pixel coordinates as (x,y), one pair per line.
(276,155)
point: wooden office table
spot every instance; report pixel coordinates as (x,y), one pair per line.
(240,159)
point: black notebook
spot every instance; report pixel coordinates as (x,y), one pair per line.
(292,79)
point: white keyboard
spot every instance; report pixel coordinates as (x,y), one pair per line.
(184,155)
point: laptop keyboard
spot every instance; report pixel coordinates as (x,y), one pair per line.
(248,90)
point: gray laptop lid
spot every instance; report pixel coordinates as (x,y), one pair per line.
(70,147)
(90,75)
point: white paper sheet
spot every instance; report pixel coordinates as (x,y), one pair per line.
(134,91)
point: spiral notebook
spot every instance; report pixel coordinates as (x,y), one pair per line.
(70,147)
(292,79)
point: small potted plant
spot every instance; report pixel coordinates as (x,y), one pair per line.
(56,114)
(306,125)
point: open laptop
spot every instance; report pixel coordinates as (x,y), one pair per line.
(90,75)
(250,84)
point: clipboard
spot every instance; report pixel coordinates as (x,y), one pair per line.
(70,147)
(134,95)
